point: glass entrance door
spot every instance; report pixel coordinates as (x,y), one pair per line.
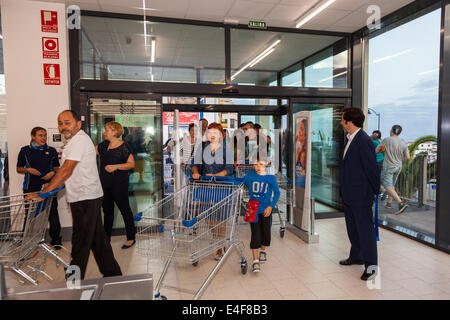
(327,140)
(141,121)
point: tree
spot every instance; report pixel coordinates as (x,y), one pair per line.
(415,145)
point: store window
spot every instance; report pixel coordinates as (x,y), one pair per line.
(292,77)
(403,90)
(328,68)
(122,49)
(257,57)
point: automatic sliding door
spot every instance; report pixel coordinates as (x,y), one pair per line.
(327,145)
(141,121)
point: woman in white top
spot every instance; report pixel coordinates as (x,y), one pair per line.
(189,144)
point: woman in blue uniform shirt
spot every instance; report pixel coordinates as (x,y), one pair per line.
(39,163)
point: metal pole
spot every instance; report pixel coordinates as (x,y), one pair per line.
(313,218)
(3,292)
(177,183)
(422,179)
(378,115)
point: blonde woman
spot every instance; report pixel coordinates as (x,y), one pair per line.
(116,160)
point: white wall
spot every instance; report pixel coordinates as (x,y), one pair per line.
(29,102)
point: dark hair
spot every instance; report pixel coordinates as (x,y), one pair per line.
(355,115)
(74,114)
(251,124)
(241,125)
(203,119)
(258,126)
(36,129)
(396,129)
(191,125)
(377,134)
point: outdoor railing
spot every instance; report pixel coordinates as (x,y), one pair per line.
(417,181)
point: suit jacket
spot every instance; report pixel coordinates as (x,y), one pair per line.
(359,177)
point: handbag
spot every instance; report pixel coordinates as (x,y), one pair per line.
(251,214)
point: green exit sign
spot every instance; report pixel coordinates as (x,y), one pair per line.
(257,24)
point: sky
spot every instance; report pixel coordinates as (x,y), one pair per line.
(404,78)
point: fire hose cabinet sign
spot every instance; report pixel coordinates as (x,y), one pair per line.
(52,74)
(49,21)
(50,48)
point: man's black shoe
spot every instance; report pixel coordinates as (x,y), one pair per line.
(368,275)
(349,262)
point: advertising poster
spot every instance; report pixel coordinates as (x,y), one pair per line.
(302,174)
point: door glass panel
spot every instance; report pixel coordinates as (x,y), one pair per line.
(327,140)
(141,121)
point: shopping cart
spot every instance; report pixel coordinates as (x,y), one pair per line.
(22,231)
(169,176)
(286,191)
(191,224)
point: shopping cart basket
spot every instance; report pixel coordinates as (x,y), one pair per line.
(191,224)
(285,186)
(169,176)
(22,231)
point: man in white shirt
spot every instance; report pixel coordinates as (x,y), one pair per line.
(84,194)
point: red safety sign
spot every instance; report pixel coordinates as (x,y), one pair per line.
(52,74)
(49,21)
(50,48)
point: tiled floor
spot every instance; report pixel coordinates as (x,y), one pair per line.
(296,270)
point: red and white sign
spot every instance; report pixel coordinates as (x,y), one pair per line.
(50,48)
(183,118)
(52,75)
(49,21)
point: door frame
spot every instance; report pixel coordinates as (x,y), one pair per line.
(346,102)
(85,111)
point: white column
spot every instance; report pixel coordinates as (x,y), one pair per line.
(30,102)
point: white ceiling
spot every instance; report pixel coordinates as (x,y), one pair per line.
(341,16)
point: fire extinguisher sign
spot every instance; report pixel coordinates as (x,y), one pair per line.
(50,48)
(49,21)
(52,74)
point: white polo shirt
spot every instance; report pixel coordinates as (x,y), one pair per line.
(84,183)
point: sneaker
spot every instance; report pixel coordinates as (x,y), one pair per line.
(262,256)
(383,196)
(401,207)
(256,267)
(388,205)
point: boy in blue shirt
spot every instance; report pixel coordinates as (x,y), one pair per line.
(261,186)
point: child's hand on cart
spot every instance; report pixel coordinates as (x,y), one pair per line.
(268,211)
(196,176)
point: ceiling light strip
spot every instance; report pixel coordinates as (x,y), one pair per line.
(314,13)
(152,59)
(258,58)
(335,76)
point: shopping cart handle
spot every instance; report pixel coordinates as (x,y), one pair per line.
(138,216)
(50,193)
(219,178)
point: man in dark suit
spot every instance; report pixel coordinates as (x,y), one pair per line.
(360,182)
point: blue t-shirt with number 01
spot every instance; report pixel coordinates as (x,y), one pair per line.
(256,183)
